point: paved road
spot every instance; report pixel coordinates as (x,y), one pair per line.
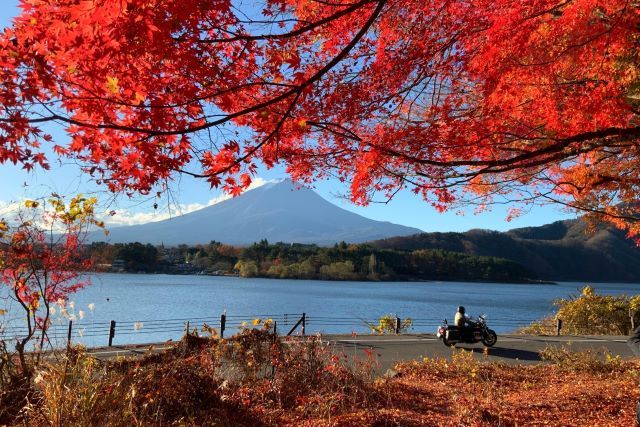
(514,349)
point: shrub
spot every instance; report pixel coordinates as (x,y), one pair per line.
(176,387)
(590,313)
(247,268)
(387,325)
(338,271)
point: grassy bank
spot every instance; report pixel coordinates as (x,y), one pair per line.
(253,380)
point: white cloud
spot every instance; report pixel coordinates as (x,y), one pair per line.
(123,217)
(8,209)
(16,212)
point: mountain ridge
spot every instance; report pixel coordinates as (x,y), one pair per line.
(560,251)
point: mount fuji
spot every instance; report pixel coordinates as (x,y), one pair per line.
(278,212)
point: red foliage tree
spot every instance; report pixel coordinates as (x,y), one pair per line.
(463,101)
(42,264)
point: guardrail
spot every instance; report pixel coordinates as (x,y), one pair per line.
(301,323)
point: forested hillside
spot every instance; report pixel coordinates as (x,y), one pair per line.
(563,250)
(297,261)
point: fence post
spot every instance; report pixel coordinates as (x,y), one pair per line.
(304,323)
(558,326)
(69,334)
(275,338)
(112,332)
(188,328)
(223,323)
(632,316)
(397,326)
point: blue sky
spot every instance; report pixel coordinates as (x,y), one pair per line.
(188,194)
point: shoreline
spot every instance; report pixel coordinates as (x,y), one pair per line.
(362,279)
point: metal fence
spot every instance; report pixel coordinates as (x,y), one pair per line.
(156,330)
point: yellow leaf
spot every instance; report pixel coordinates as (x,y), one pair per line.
(3,312)
(140,97)
(112,85)
(31,203)
(256,322)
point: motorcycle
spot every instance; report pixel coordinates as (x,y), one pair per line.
(477,331)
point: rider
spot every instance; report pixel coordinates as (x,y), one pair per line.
(461,321)
(460,318)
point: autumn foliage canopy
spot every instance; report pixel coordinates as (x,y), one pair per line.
(471,101)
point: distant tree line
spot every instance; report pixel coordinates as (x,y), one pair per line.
(301,261)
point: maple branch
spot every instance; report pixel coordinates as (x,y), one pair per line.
(297,89)
(552,10)
(167,106)
(596,211)
(247,37)
(558,149)
(253,149)
(298,92)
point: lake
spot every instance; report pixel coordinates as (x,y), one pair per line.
(150,308)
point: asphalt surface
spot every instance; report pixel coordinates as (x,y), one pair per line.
(511,349)
(390,349)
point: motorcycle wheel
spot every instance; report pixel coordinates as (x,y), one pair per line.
(447,342)
(489,338)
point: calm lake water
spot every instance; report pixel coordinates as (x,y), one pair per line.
(149,308)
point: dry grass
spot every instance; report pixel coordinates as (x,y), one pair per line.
(195,384)
(466,392)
